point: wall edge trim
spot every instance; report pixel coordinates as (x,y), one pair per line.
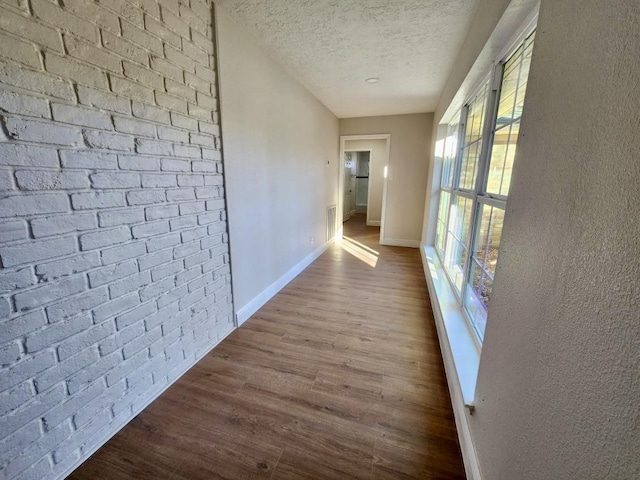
(251,307)
(400,242)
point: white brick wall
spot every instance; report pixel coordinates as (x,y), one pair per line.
(114,255)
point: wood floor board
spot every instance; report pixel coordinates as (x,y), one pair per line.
(339,376)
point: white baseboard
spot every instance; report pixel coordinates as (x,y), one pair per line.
(244,313)
(398,242)
(460,411)
(136,412)
(373,223)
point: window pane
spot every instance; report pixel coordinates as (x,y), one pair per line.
(457,242)
(473,139)
(483,265)
(512,94)
(450,153)
(443,216)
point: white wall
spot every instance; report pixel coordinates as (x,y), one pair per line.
(408,168)
(559,382)
(377,162)
(277,140)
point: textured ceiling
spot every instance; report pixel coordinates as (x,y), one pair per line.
(332,46)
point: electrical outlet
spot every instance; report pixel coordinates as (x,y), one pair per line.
(311,240)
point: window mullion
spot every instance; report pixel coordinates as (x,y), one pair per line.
(491,109)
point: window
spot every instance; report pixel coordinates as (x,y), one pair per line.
(479,150)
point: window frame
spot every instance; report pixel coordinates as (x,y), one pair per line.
(479,194)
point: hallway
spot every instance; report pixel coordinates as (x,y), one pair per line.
(338,376)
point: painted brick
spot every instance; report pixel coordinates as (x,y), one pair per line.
(156,28)
(147,188)
(110,309)
(111,273)
(173,165)
(144,76)
(13,230)
(104,100)
(126,11)
(162,242)
(26,368)
(92,11)
(180,90)
(139,163)
(139,36)
(38,82)
(85,201)
(164,211)
(68,266)
(123,252)
(153,147)
(54,333)
(130,284)
(9,353)
(83,74)
(115,180)
(76,305)
(85,339)
(173,134)
(131,89)
(189,151)
(80,379)
(56,16)
(16,279)
(183,222)
(135,315)
(24,104)
(149,112)
(89,53)
(150,229)
(121,338)
(56,416)
(36,251)
(88,159)
(19,326)
(42,132)
(81,116)
(181,194)
(126,216)
(48,180)
(60,224)
(109,141)
(30,29)
(93,408)
(132,348)
(49,293)
(166,270)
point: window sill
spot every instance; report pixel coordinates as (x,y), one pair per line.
(460,352)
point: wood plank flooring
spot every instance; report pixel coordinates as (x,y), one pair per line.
(339,376)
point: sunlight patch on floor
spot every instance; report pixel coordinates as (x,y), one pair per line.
(360,251)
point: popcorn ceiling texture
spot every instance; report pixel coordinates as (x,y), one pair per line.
(333,46)
(115,264)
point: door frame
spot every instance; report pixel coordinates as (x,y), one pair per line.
(343,149)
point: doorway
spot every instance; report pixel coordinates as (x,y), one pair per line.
(356,182)
(364,170)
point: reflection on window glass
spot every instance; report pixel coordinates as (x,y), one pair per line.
(483,265)
(458,238)
(450,153)
(443,213)
(512,93)
(473,139)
